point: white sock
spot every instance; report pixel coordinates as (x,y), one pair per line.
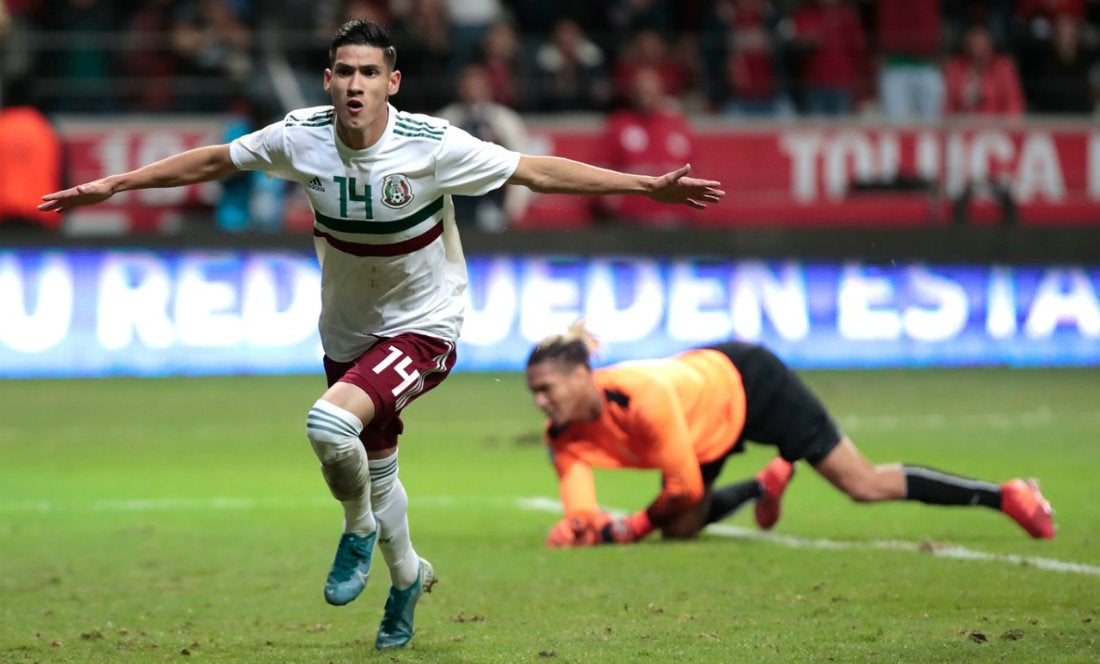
(334,434)
(391,510)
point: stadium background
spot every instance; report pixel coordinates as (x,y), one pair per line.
(133,504)
(848,238)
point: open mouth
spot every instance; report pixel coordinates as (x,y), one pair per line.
(354,105)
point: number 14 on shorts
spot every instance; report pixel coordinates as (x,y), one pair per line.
(400,362)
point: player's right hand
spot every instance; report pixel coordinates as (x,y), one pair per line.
(89,193)
(676,187)
(582,529)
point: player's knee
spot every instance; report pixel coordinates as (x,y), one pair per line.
(334,435)
(861,495)
(333,432)
(864,491)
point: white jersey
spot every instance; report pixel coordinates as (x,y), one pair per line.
(384,228)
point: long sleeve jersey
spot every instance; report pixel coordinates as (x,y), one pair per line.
(671,415)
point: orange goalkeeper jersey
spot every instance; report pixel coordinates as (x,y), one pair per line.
(671,415)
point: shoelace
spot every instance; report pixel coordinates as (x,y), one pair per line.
(394,614)
(347,559)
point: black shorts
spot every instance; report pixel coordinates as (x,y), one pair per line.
(779,409)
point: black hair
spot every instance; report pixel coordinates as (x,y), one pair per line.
(362,32)
(569,349)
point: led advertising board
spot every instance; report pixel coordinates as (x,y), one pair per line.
(160,312)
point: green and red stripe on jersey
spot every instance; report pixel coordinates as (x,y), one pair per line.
(325,224)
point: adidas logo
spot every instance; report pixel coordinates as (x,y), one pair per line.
(315,185)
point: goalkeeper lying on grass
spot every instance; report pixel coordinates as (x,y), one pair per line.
(686,414)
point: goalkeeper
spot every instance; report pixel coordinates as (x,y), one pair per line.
(686,414)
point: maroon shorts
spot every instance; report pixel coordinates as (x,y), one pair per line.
(393,372)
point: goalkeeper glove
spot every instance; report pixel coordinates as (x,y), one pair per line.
(582,529)
(626,529)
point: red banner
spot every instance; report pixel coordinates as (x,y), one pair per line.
(96,148)
(804,174)
(775,175)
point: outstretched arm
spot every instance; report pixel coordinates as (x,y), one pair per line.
(582,519)
(190,167)
(558,175)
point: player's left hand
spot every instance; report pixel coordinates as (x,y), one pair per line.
(626,529)
(676,187)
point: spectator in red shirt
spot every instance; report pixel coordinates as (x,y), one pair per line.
(648,49)
(830,37)
(981,81)
(744,50)
(910,46)
(645,138)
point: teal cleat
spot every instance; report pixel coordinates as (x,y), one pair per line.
(350,569)
(396,629)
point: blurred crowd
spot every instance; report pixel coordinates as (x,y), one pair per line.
(903,59)
(645,66)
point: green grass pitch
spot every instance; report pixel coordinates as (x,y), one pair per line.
(185,519)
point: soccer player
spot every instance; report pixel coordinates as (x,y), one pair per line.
(392,275)
(685,415)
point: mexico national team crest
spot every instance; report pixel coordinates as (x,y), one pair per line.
(396,191)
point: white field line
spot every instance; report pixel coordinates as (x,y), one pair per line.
(542,504)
